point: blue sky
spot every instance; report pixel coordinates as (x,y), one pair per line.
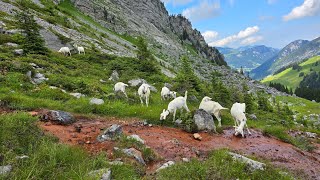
(234,23)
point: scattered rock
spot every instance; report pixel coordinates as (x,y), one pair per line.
(114,76)
(145,123)
(185,160)
(136,82)
(78,128)
(197,136)
(11,44)
(77,95)
(102,174)
(116,162)
(310,135)
(37,79)
(203,120)
(153,89)
(168,85)
(22,157)
(165,165)
(178,122)
(96,101)
(193,98)
(111,133)
(5,169)
(254,165)
(102,81)
(253,117)
(58,117)
(18,52)
(132,152)
(136,137)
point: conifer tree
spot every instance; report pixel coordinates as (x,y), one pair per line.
(32,43)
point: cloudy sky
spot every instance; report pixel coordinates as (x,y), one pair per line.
(234,23)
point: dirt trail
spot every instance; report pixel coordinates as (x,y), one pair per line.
(175,144)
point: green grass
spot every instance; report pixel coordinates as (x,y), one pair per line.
(290,77)
(219,165)
(48,159)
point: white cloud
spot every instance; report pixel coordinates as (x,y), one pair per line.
(177,2)
(308,8)
(251,40)
(205,10)
(209,36)
(271,1)
(236,37)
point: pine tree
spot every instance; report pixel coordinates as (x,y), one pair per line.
(143,53)
(248,99)
(33,43)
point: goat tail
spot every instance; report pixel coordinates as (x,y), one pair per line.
(186,95)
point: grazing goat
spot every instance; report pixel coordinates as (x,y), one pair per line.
(144,92)
(241,107)
(65,51)
(178,103)
(165,93)
(120,86)
(211,107)
(237,112)
(80,49)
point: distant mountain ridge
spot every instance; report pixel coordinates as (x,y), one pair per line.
(248,57)
(294,52)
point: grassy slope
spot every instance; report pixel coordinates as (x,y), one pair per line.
(82,74)
(290,77)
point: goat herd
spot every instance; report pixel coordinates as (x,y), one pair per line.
(211,107)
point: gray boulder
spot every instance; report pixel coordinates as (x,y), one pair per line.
(204,121)
(77,95)
(58,117)
(153,89)
(11,44)
(253,117)
(96,101)
(102,174)
(165,165)
(137,82)
(310,135)
(168,85)
(136,137)
(253,165)
(132,152)
(5,169)
(18,52)
(111,133)
(114,76)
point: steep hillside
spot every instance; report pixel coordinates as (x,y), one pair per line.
(248,57)
(292,77)
(294,52)
(112,27)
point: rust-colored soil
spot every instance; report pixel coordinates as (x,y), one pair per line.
(175,144)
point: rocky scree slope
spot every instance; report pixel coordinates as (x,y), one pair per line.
(111,27)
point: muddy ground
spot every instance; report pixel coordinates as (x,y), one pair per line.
(175,144)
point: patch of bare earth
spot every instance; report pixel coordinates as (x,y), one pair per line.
(175,144)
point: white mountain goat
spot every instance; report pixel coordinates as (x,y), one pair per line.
(80,49)
(178,103)
(211,107)
(237,112)
(234,111)
(120,87)
(144,92)
(166,93)
(65,51)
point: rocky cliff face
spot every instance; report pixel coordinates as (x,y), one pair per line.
(150,19)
